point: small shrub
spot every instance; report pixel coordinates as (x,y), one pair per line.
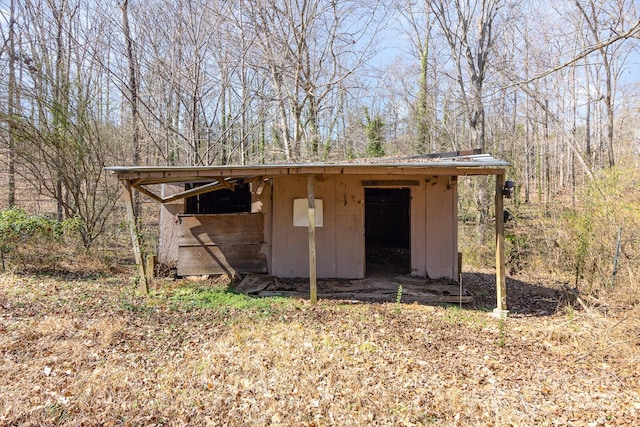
(602,234)
(31,238)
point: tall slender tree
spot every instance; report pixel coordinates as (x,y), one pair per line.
(133,93)
(12,103)
(468,28)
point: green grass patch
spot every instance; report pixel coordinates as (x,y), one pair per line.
(222,298)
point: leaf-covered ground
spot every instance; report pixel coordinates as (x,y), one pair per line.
(90,352)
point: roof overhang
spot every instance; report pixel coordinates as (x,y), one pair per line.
(482,164)
(459,163)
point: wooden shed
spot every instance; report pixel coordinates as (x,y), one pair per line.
(315,220)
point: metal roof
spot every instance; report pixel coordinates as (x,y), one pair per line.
(474,164)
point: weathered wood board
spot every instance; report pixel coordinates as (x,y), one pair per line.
(415,290)
(221,244)
(364,296)
(225,259)
(221,229)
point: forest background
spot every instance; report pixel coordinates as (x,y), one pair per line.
(550,86)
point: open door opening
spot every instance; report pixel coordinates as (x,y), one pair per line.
(387,231)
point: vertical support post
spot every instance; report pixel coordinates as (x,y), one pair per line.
(135,239)
(501,285)
(313,291)
(152,261)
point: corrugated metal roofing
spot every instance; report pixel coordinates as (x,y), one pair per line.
(480,164)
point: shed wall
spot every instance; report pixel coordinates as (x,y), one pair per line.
(290,245)
(441,228)
(169,227)
(261,195)
(340,243)
(221,244)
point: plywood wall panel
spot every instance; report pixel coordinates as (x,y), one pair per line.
(262,203)
(169,227)
(290,247)
(418,230)
(219,244)
(441,226)
(349,236)
(336,241)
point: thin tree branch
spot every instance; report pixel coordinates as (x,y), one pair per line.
(586,52)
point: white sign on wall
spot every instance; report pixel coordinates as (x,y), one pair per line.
(301,213)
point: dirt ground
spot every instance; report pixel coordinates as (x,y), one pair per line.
(88,351)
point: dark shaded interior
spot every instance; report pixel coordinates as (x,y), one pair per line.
(219,201)
(388,230)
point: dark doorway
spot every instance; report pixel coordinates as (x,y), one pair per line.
(387,237)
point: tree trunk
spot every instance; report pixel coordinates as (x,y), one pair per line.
(61,106)
(133,98)
(11,104)
(423,137)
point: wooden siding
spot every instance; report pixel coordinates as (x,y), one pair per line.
(261,203)
(219,244)
(340,242)
(270,243)
(290,246)
(441,228)
(169,227)
(349,225)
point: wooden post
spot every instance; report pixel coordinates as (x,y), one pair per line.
(135,240)
(313,291)
(501,285)
(152,260)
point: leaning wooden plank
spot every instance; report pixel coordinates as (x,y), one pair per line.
(149,194)
(207,188)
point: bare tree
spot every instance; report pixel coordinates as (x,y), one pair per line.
(468,27)
(60,147)
(12,103)
(604,20)
(419,21)
(309,48)
(133,90)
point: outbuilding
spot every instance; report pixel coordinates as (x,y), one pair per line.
(315,220)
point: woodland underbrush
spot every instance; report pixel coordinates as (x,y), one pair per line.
(588,244)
